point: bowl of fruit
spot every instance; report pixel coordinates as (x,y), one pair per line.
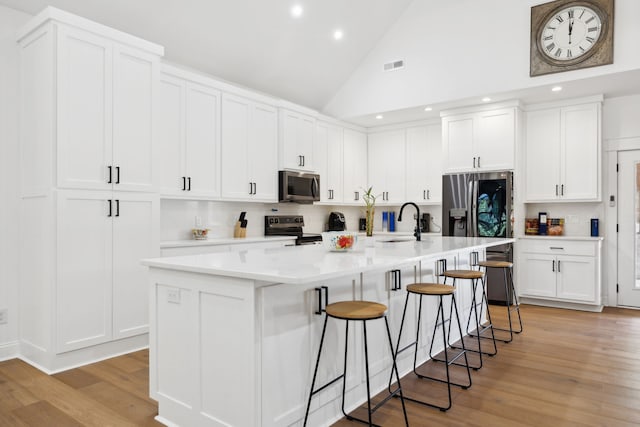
(339,241)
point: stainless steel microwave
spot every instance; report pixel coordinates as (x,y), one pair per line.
(299,187)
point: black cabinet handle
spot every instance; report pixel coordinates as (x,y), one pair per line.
(556,189)
(441,266)
(110,180)
(303,160)
(559,266)
(117,207)
(397,280)
(562,190)
(117,174)
(251,188)
(428,194)
(424,194)
(255,188)
(184,183)
(357,195)
(553,265)
(479,161)
(322,307)
(189,181)
(474,162)
(473,258)
(110,208)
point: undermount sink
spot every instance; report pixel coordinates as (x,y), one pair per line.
(396,239)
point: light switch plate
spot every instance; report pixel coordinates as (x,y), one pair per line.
(173,296)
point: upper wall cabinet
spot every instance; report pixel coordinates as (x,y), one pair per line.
(386,166)
(328,157)
(355,166)
(479,141)
(296,140)
(424,164)
(564,143)
(249,147)
(188,136)
(102,112)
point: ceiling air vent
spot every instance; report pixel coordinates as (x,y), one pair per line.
(395,65)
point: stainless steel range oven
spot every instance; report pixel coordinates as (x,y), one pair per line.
(290,225)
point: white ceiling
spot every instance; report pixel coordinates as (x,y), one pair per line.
(254,43)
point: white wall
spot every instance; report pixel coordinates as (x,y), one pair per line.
(10,21)
(464,48)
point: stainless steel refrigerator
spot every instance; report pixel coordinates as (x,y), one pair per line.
(480,205)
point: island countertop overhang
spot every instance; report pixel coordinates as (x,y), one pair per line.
(308,264)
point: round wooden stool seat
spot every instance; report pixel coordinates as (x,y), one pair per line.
(430,289)
(464,274)
(496,264)
(356,310)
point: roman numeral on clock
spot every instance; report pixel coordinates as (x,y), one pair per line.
(569,54)
(558,53)
(589,20)
(571,13)
(590,39)
(548,38)
(559,19)
(592,29)
(551,47)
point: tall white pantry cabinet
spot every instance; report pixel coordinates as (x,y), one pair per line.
(88,208)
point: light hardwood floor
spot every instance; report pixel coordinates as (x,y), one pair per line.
(568,368)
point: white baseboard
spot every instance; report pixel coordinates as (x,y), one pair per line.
(561,304)
(9,350)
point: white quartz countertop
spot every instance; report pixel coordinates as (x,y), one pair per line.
(214,241)
(313,263)
(581,238)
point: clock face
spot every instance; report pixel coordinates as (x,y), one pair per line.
(570,33)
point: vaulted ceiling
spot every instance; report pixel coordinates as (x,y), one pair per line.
(253,43)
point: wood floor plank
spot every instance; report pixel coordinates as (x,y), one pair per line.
(44,414)
(139,411)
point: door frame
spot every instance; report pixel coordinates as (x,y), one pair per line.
(612,147)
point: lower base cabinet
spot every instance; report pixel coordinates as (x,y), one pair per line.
(560,270)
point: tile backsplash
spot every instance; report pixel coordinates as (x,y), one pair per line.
(178,217)
(577,216)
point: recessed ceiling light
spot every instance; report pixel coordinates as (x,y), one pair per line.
(556,88)
(486,99)
(379,117)
(296,11)
(428,108)
(338,34)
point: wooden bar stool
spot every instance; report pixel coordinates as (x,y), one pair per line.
(510,292)
(356,311)
(440,291)
(474,276)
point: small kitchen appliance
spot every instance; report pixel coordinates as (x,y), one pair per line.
(336,222)
(290,225)
(298,187)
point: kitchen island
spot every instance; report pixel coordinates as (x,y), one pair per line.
(234,335)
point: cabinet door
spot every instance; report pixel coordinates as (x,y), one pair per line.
(234,144)
(355,164)
(84,73)
(457,143)
(577,278)
(537,275)
(135,74)
(335,165)
(134,238)
(580,153)
(424,164)
(263,147)
(542,153)
(84,277)
(495,139)
(202,148)
(386,166)
(296,140)
(169,141)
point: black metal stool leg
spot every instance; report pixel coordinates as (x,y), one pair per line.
(344,370)
(515,298)
(315,372)
(395,369)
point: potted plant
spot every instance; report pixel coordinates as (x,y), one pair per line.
(370,203)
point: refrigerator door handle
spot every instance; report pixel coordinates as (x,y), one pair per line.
(470,210)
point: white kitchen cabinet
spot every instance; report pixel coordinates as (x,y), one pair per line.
(355,166)
(479,141)
(386,166)
(104,108)
(329,160)
(424,164)
(296,140)
(101,292)
(249,150)
(560,270)
(86,133)
(565,143)
(188,137)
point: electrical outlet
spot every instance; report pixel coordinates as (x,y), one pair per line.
(198,222)
(173,296)
(4,316)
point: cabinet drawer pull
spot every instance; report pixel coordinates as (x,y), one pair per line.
(474,162)
(553,265)
(184,183)
(117,174)
(117,207)
(562,190)
(189,186)
(479,161)
(556,189)
(110,180)
(110,208)
(428,194)
(424,194)
(558,266)
(396,285)
(322,307)
(559,248)
(357,195)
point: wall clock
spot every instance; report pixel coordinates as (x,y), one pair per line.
(571,34)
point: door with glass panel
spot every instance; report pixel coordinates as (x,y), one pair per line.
(629,228)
